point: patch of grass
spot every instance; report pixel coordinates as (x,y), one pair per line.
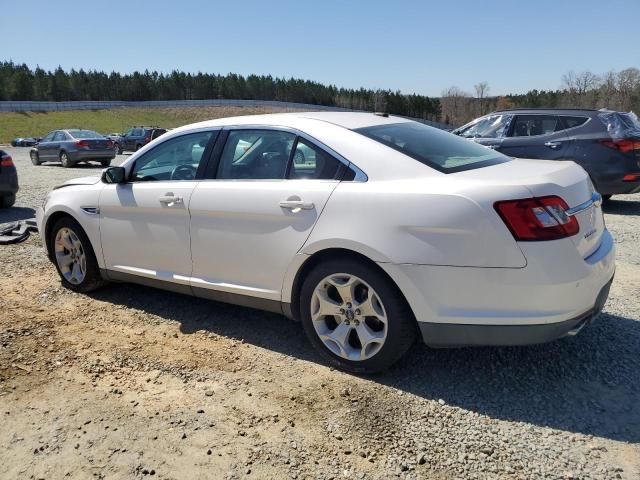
(38,124)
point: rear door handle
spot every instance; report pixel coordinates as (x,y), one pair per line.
(169,199)
(296,205)
(553,144)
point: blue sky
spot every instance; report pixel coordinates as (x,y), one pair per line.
(412,46)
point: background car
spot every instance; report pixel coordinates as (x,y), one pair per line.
(8,180)
(388,231)
(138,137)
(23,142)
(118,141)
(605,143)
(72,146)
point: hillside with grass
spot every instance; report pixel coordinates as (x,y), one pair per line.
(38,124)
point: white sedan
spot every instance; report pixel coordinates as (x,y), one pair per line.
(374,231)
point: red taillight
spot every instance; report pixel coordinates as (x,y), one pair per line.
(147,139)
(6,161)
(109,144)
(624,145)
(82,144)
(535,219)
(631,177)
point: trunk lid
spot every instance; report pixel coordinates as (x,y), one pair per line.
(98,143)
(564,179)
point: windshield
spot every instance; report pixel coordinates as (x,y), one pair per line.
(437,149)
(84,134)
(493,126)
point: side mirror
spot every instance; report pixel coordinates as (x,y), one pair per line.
(113,175)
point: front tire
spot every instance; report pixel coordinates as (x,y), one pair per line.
(35,159)
(73,256)
(355,316)
(65,160)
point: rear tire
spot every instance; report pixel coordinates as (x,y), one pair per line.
(7,200)
(35,158)
(65,160)
(73,256)
(367,334)
(105,163)
(138,147)
(606,198)
(118,149)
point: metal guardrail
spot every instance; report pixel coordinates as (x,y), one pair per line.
(36,106)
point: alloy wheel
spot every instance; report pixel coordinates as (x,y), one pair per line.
(70,256)
(349,317)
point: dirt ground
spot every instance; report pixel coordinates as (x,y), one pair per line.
(132,382)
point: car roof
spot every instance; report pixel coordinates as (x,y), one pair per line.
(555,111)
(333,130)
(350,120)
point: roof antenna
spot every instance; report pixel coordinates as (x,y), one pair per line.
(381,114)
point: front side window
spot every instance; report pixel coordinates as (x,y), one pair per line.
(310,162)
(175,159)
(492,126)
(435,148)
(255,155)
(532,125)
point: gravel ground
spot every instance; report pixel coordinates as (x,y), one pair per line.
(135,382)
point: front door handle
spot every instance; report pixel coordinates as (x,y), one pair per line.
(296,205)
(169,199)
(553,144)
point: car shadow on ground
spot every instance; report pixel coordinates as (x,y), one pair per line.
(622,207)
(14,214)
(583,384)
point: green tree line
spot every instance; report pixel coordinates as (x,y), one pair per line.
(19,82)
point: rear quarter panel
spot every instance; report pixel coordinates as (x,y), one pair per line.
(431,221)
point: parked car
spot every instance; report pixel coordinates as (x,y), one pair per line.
(138,137)
(118,141)
(605,143)
(387,232)
(23,142)
(8,180)
(72,146)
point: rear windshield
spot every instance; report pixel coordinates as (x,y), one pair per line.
(84,134)
(435,148)
(621,125)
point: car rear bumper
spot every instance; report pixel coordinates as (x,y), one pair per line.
(9,183)
(80,156)
(458,306)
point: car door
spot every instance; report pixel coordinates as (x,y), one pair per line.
(255,213)
(57,144)
(144,223)
(44,147)
(129,142)
(536,136)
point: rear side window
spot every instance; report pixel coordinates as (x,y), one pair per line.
(492,126)
(310,162)
(571,122)
(532,125)
(60,137)
(435,148)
